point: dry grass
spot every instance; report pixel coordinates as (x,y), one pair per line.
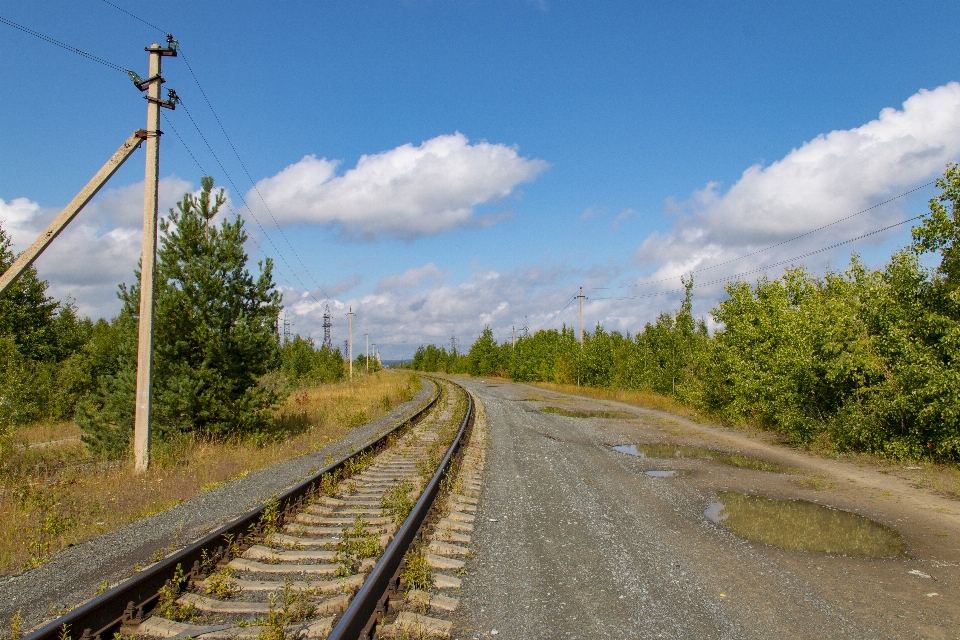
(54,496)
(943,479)
(38,433)
(646,399)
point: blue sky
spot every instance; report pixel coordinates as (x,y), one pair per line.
(589,133)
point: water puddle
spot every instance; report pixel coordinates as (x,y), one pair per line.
(798,525)
(570,413)
(683,451)
(668,473)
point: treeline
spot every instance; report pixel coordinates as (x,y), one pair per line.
(864,360)
(220,368)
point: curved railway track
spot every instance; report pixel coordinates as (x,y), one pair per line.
(325,559)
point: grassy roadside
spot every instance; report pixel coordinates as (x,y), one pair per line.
(647,399)
(942,479)
(58,495)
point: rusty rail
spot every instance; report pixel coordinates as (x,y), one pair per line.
(126,604)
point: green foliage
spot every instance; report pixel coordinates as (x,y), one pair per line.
(43,370)
(303,364)
(356,543)
(866,360)
(215,336)
(290,606)
(486,357)
(270,518)
(432,359)
(167,602)
(416,573)
(399,501)
(360,364)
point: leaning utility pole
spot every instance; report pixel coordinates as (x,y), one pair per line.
(350,349)
(26,258)
(581,296)
(152,85)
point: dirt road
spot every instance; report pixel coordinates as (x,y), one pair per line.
(574,539)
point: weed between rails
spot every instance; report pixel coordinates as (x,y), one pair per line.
(436,450)
(222,584)
(416,573)
(58,495)
(288,607)
(355,545)
(168,605)
(399,501)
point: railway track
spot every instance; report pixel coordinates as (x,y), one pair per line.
(358,550)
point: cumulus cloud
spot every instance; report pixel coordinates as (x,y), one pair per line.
(406,192)
(420,306)
(826,179)
(97,251)
(411,278)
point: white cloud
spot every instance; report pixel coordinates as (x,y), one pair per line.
(411,278)
(826,179)
(622,217)
(406,192)
(97,251)
(419,306)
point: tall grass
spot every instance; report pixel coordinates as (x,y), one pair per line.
(58,495)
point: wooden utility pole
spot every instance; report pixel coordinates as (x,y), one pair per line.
(581,296)
(152,85)
(350,348)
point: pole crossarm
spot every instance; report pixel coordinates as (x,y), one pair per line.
(25,259)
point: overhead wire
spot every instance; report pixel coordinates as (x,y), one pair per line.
(204,172)
(62,45)
(780,263)
(778,244)
(135,17)
(249,177)
(223,130)
(240,196)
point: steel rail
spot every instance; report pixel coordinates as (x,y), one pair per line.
(357,621)
(128,602)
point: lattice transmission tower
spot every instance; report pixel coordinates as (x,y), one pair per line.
(327,323)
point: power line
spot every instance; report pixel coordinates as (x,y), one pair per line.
(240,196)
(69,48)
(204,172)
(777,264)
(247,172)
(239,159)
(135,17)
(774,246)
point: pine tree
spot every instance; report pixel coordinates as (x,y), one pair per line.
(215,334)
(27,313)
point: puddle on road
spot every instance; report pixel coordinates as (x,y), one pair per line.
(684,451)
(668,473)
(799,525)
(587,414)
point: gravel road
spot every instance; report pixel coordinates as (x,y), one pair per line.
(74,574)
(574,540)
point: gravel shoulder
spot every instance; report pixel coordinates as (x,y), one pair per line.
(74,574)
(574,540)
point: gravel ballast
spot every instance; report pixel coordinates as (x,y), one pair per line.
(74,574)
